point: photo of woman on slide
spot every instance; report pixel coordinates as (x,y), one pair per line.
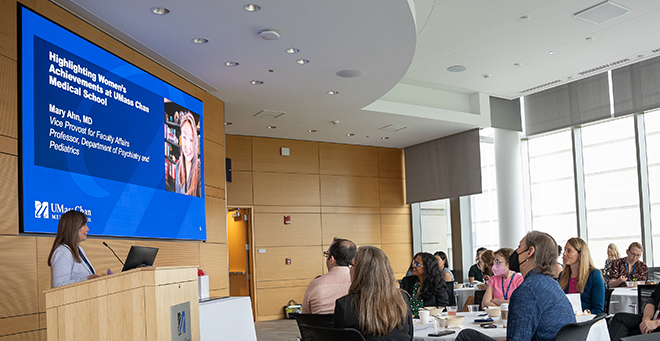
(188,168)
(183,166)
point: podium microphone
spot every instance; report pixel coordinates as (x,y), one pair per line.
(113,252)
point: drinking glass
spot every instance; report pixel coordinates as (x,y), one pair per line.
(451,310)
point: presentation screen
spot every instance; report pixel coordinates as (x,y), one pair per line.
(103,137)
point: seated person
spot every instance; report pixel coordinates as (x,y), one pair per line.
(441,257)
(426,286)
(580,276)
(476,272)
(629,268)
(487,258)
(538,308)
(626,324)
(323,291)
(503,282)
(374,305)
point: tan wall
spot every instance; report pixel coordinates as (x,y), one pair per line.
(25,273)
(329,190)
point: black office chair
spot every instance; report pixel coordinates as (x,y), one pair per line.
(608,298)
(330,334)
(315,320)
(577,331)
(645,337)
(643,294)
(479,296)
(450,292)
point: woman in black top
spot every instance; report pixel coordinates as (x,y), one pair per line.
(425,286)
(374,305)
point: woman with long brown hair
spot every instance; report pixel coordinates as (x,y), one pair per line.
(374,305)
(67,260)
(188,168)
(581,276)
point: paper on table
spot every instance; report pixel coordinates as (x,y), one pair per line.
(576,302)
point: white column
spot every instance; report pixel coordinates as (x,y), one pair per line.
(508,170)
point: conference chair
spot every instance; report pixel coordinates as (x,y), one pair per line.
(450,292)
(643,294)
(608,299)
(577,331)
(479,296)
(645,337)
(315,320)
(330,334)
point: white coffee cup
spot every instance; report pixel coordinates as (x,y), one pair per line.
(424,316)
(504,308)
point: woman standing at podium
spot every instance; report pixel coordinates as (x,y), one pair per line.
(67,260)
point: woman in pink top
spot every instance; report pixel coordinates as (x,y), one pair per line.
(503,282)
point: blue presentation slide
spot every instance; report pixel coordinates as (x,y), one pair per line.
(101,136)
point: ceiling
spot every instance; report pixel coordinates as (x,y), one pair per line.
(402,50)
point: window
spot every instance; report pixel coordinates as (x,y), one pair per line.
(485,229)
(611,186)
(436,228)
(652,124)
(552,185)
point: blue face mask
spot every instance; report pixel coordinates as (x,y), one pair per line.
(514,264)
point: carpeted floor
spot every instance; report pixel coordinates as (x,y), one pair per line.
(278,330)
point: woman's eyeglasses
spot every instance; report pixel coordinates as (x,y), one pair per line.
(500,262)
(417,265)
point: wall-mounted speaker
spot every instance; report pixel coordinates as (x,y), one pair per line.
(228,169)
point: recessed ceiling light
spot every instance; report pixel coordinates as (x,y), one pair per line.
(256,82)
(350,134)
(333,92)
(516,64)
(640,56)
(385,138)
(551,52)
(160,10)
(228,123)
(302,61)
(231,64)
(524,18)
(456,68)
(200,40)
(588,38)
(348,73)
(335,122)
(251,7)
(271,70)
(486,76)
(292,50)
(269,35)
(271,127)
(312,131)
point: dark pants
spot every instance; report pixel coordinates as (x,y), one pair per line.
(472,335)
(625,324)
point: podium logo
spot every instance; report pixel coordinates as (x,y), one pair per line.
(41,209)
(181,319)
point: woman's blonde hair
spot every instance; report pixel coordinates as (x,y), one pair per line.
(615,250)
(586,265)
(183,176)
(379,304)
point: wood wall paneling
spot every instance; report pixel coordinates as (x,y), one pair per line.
(18,324)
(271,266)
(9,198)
(210,191)
(400,256)
(8,34)
(396,228)
(272,301)
(44,244)
(214,117)
(360,228)
(8,94)
(213,259)
(8,145)
(270,230)
(349,191)
(344,159)
(18,287)
(214,164)
(392,192)
(39,335)
(239,150)
(216,220)
(239,191)
(391,163)
(285,189)
(173,253)
(266,156)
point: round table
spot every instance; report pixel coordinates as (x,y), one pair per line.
(621,300)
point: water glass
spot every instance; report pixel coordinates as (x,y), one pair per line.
(451,310)
(473,308)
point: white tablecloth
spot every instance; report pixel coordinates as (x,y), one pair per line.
(624,297)
(227,319)
(461,296)
(598,331)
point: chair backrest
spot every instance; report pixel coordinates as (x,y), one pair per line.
(479,296)
(317,320)
(643,293)
(645,337)
(608,297)
(577,331)
(330,334)
(654,274)
(450,292)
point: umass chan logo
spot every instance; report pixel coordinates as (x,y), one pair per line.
(46,210)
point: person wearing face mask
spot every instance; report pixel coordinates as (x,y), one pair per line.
(503,282)
(580,276)
(538,308)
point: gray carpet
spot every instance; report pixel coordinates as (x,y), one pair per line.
(278,330)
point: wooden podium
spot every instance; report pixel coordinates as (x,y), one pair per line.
(132,305)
